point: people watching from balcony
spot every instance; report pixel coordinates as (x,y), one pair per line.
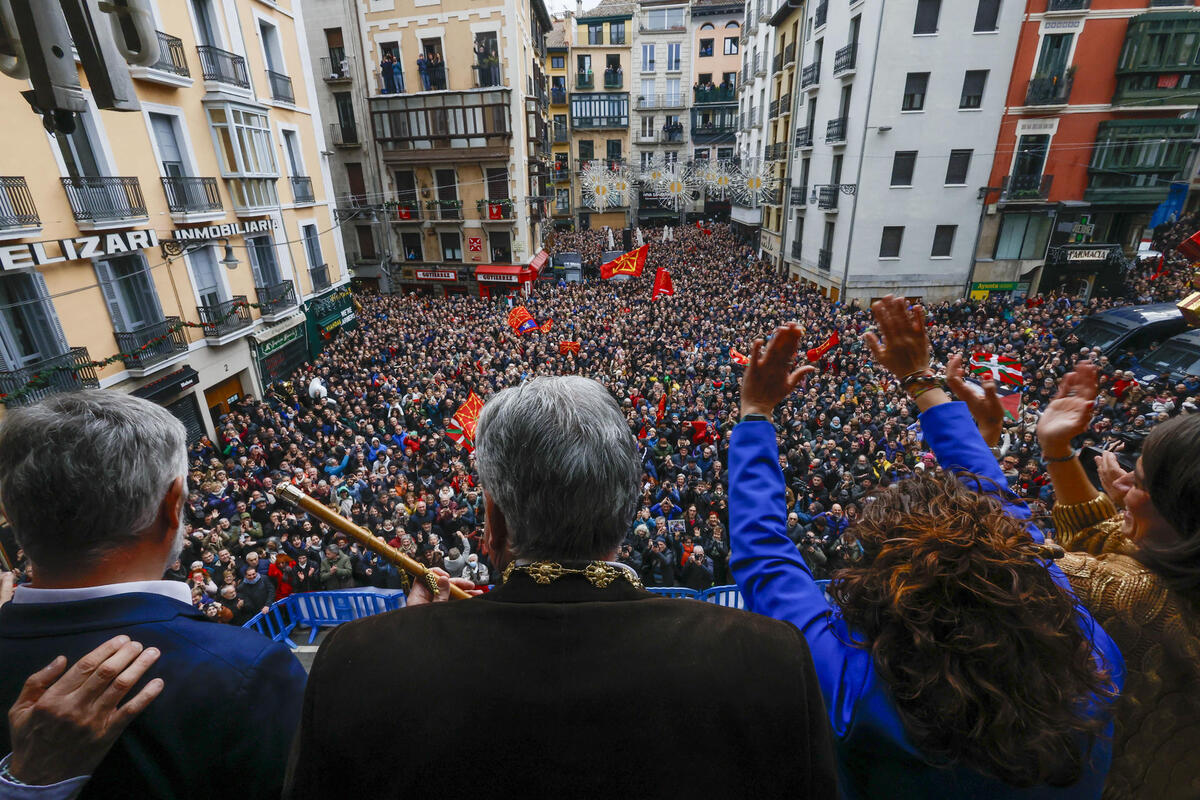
(487,61)
(387,73)
(673,131)
(435,70)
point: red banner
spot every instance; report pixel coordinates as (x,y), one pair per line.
(817,353)
(632,263)
(495,211)
(545,326)
(520,320)
(738,358)
(663,285)
(568,347)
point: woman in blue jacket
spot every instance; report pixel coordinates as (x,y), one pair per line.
(955,662)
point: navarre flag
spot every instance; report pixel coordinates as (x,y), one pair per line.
(663,285)
(817,353)
(546,326)
(520,320)
(632,264)
(738,358)
(568,347)
(1001,369)
(462,425)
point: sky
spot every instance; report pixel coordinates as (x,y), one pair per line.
(556,6)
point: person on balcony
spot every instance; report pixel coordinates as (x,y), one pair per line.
(423,70)
(397,76)
(386,74)
(437,70)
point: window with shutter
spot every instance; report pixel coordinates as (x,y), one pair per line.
(927,16)
(312,245)
(956,171)
(902,167)
(972,92)
(204,271)
(262,261)
(129,291)
(889,244)
(943,241)
(29,329)
(915,86)
(987,16)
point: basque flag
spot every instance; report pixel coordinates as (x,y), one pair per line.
(632,263)
(1001,369)
(520,320)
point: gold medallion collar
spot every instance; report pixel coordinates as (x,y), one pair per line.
(598,573)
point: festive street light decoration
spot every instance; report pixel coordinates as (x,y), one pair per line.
(653,173)
(596,182)
(678,184)
(717,179)
(753,183)
(620,184)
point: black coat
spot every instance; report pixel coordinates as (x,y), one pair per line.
(582,688)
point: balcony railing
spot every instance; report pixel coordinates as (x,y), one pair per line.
(810,74)
(660,101)
(796,250)
(561,136)
(1026,187)
(760,64)
(1068,5)
(496,210)
(152,344)
(827,198)
(276,298)
(17,209)
(406,210)
(715,94)
(558,96)
(1053,90)
(444,209)
(671,136)
(281,87)
(821,14)
(585,80)
(171,56)
(824,259)
(191,195)
(487,75)
(302,189)
(102,199)
(777,63)
(799,198)
(613,79)
(222,319)
(343,134)
(845,59)
(560,175)
(62,373)
(222,66)
(835,130)
(337,71)
(320,277)
(804,137)
(789,54)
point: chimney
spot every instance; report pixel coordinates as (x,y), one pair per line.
(579,8)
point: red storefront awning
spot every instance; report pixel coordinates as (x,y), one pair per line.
(504,273)
(539,262)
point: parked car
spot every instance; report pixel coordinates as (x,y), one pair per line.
(1126,334)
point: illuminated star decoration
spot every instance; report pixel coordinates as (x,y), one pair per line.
(620,184)
(654,172)
(717,179)
(596,181)
(677,185)
(753,183)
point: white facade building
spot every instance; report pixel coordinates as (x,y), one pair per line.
(897,113)
(754,87)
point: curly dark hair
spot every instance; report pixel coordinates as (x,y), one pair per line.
(982,651)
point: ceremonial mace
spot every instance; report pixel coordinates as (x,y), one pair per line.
(365,538)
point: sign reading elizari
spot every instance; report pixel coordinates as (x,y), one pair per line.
(36,254)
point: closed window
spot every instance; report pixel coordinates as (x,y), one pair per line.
(889,244)
(902,167)
(972,91)
(915,87)
(647,58)
(596,33)
(731,46)
(943,241)
(1023,236)
(129,292)
(616,32)
(987,16)
(956,171)
(451,247)
(262,260)
(558,62)
(673,49)
(312,245)
(927,16)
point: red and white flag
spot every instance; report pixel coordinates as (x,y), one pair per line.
(663,285)
(1001,369)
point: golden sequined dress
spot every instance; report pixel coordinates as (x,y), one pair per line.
(1156,752)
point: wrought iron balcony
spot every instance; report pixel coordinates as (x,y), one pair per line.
(320,277)
(276,298)
(281,87)
(824,259)
(810,74)
(407,209)
(660,101)
(822,13)
(777,63)
(799,198)
(845,59)
(171,56)
(796,249)
(827,198)
(191,195)
(760,64)
(343,134)
(558,96)
(789,54)
(1053,90)
(804,137)
(716,94)
(17,209)
(1018,188)
(222,319)
(780,107)
(1068,5)
(835,131)
(585,80)
(152,344)
(561,136)
(444,209)
(67,372)
(487,75)
(613,79)
(222,66)
(302,190)
(671,136)
(560,175)
(105,199)
(338,71)
(496,210)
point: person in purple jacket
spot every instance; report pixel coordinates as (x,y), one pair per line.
(954,660)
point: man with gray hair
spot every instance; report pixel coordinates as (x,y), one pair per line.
(585,673)
(94,485)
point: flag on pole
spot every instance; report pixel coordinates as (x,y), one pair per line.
(1001,369)
(545,326)
(632,263)
(738,358)
(461,429)
(568,347)
(520,320)
(663,285)
(817,353)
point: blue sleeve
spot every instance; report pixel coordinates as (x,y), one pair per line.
(952,436)
(269,702)
(63,790)
(772,575)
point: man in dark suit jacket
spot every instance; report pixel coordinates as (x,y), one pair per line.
(593,685)
(94,486)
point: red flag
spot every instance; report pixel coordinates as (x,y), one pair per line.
(700,432)
(662,409)
(1190,247)
(632,263)
(1012,405)
(520,320)
(495,211)
(708,231)
(462,429)
(545,326)
(699,227)
(1161,268)
(642,433)
(403,213)
(568,347)
(738,358)
(817,353)
(663,285)
(479,365)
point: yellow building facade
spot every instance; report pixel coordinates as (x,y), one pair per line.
(788,22)
(192,237)
(558,57)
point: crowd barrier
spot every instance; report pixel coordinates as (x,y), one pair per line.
(317,610)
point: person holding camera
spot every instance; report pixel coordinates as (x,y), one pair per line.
(698,570)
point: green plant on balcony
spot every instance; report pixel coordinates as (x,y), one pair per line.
(505,205)
(431,204)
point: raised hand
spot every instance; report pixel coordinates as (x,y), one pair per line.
(904,349)
(768,377)
(984,407)
(1070,413)
(1110,472)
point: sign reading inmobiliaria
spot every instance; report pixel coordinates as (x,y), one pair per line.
(223,231)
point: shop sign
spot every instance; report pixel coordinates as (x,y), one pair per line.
(281,341)
(36,254)
(436,275)
(994,287)
(223,231)
(1083,230)
(496,277)
(1091,254)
